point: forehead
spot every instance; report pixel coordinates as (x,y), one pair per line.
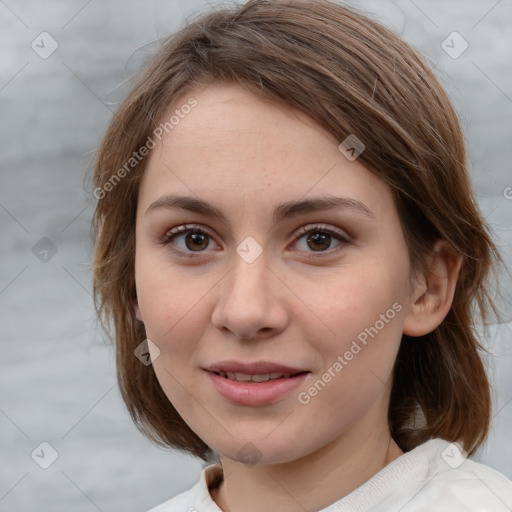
(234,145)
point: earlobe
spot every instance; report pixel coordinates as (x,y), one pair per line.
(432,297)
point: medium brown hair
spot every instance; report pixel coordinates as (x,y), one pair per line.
(353,76)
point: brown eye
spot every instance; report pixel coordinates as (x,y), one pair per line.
(320,239)
(187,240)
(196,241)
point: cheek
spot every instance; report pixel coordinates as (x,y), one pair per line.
(363,308)
(167,301)
(353,299)
(173,311)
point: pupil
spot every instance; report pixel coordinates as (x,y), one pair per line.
(197,241)
(318,238)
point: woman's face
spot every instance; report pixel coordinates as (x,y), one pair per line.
(274,276)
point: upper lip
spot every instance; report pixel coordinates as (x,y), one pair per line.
(254,368)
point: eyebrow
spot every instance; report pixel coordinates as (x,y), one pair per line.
(281,212)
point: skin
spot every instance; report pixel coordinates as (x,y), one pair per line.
(246,155)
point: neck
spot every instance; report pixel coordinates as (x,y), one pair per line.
(341,466)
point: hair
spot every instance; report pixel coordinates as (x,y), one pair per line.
(353,76)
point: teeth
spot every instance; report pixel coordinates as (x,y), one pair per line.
(244,377)
(261,378)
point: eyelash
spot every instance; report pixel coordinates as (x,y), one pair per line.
(300,233)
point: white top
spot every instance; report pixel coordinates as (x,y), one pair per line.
(432,477)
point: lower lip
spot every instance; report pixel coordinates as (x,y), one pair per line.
(255,393)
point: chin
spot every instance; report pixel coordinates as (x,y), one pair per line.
(261,453)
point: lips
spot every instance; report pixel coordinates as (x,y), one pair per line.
(261,392)
(254,368)
(245,377)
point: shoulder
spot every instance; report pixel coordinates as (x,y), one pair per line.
(435,476)
(453,482)
(197,498)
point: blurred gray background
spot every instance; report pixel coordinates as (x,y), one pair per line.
(57,374)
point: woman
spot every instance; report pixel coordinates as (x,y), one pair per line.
(288,249)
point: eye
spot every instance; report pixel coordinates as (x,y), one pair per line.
(188,239)
(319,238)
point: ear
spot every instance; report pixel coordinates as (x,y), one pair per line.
(432,296)
(138,313)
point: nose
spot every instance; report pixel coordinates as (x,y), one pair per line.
(250,303)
